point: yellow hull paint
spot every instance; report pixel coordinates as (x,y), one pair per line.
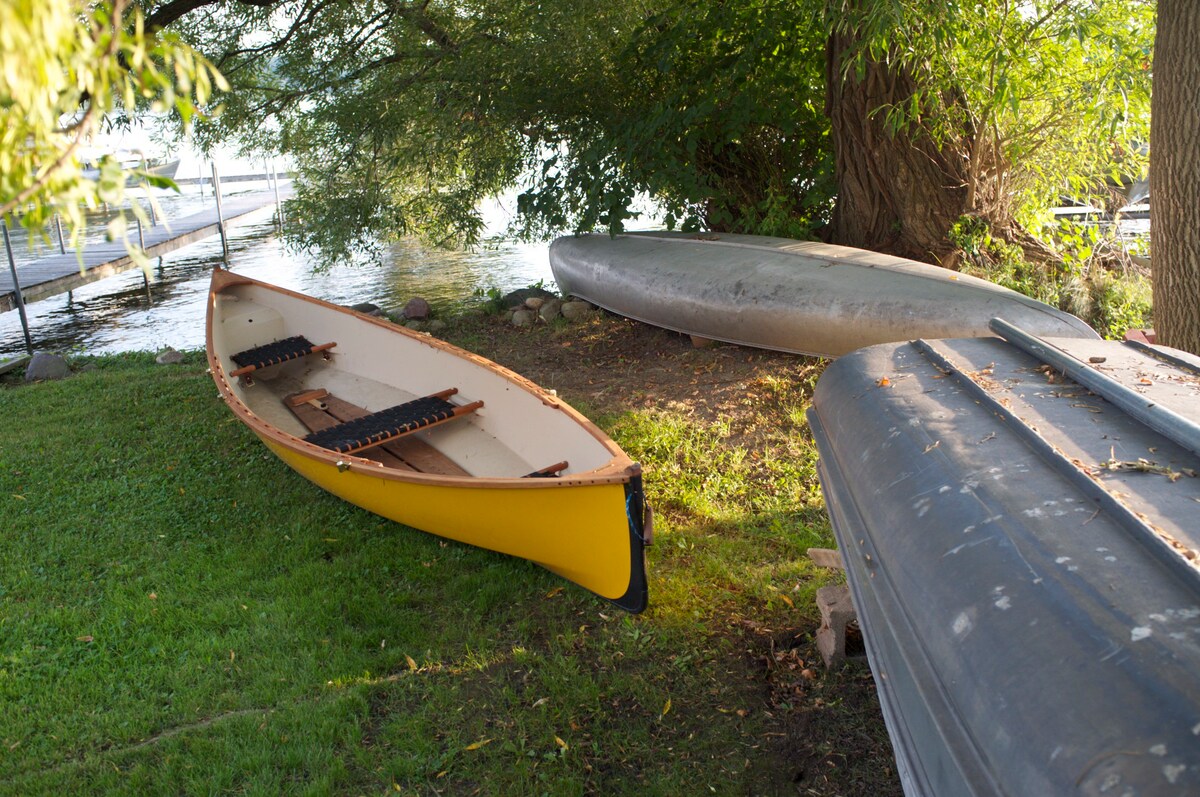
(580,532)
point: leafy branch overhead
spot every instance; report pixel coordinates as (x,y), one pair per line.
(64,70)
(731,116)
(403,115)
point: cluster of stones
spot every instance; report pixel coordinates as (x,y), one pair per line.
(526,307)
(414,315)
(543,309)
(46,366)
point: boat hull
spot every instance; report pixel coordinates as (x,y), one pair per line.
(795,296)
(1022,555)
(581,533)
(586,524)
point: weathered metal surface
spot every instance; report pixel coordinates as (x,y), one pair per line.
(797,296)
(1023,557)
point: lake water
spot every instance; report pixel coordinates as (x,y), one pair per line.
(124,313)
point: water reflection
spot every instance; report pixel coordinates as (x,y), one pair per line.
(127,313)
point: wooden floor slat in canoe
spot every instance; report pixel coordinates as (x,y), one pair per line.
(405,453)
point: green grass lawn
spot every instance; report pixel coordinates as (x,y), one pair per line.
(180,613)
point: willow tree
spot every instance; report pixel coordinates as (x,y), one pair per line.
(65,69)
(985,110)
(721,122)
(401,116)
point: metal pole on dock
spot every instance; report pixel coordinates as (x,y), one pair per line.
(278,201)
(220,213)
(62,246)
(12,267)
(145,271)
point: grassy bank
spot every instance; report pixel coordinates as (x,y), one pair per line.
(181,613)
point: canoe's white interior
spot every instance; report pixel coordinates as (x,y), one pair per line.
(375,367)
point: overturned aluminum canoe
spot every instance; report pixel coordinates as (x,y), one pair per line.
(1018,522)
(797,296)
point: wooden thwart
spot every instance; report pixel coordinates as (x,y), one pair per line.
(280,351)
(380,427)
(319,411)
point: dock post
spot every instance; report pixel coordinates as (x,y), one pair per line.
(278,202)
(12,267)
(146,270)
(220,213)
(62,247)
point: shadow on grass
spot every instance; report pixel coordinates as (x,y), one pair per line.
(179,612)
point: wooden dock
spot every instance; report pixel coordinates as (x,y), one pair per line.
(57,274)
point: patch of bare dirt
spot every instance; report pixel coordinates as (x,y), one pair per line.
(611,364)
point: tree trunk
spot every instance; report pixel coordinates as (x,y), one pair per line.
(1175,175)
(897,193)
(900,192)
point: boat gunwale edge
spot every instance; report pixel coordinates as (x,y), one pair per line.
(620,468)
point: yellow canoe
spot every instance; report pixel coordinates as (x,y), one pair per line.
(423,433)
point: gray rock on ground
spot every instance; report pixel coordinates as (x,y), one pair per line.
(44,366)
(417,309)
(168,356)
(523,318)
(517,298)
(577,310)
(550,310)
(366,308)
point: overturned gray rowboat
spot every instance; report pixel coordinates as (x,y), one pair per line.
(1018,522)
(797,296)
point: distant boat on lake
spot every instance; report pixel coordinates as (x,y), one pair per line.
(130,159)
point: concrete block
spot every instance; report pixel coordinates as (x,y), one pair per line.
(826,557)
(837,616)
